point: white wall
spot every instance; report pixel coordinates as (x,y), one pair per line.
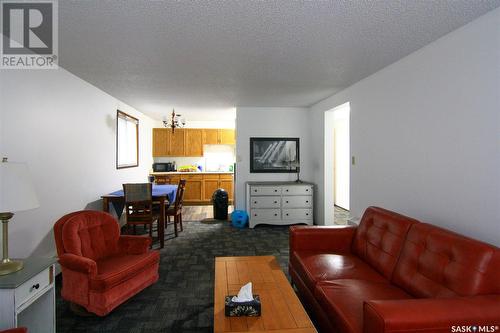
(425,132)
(64,129)
(269,122)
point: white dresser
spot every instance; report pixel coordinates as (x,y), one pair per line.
(279,203)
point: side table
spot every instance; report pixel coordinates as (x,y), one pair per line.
(27,297)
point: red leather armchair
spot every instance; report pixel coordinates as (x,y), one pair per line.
(100,268)
(15,330)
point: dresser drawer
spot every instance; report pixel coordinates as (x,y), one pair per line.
(299,201)
(297,214)
(33,286)
(265,214)
(298,190)
(265,202)
(265,190)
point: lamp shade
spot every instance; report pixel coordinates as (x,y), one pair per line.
(16,188)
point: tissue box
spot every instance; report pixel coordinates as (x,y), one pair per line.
(240,309)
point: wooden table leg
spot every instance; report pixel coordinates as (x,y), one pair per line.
(105,205)
(161,222)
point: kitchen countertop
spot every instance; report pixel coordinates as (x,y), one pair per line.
(189,173)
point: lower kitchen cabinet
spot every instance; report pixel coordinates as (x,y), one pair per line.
(194,188)
(200,187)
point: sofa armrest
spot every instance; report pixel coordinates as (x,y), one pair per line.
(134,244)
(78,264)
(332,239)
(431,314)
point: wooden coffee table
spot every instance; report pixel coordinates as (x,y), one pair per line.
(281,309)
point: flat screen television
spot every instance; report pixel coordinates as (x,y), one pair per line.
(274,155)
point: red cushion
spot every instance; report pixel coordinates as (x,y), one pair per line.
(380,238)
(314,267)
(439,263)
(91,234)
(343,301)
(114,270)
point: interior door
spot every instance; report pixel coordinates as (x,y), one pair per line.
(341,162)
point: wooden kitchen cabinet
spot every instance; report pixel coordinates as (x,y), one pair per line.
(210,136)
(160,142)
(227,137)
(210,184)
(194,188)
(193,142)
(218,136)
(177,142)
(189,141)
(199,186)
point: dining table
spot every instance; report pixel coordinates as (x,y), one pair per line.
(163,194)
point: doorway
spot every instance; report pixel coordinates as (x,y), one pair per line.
(337,163)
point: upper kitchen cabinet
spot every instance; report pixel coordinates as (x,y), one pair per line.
(177,142)
(189,141)
(210,136)
(194,142)
(166,143)
(218,136)
(227,137)
(161,142)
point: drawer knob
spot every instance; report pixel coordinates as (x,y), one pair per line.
(35,286)
(275,190)
(255,202)
(255,190)
(307,214)
(286,214)
(287,201)
(287,190)
(307,190)
(254,214)
(275,214)
(307,201)
(276,202)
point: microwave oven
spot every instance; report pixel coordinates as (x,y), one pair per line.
(163,167)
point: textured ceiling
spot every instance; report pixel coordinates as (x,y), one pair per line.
(206,57)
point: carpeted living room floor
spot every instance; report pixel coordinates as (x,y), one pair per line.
(182,299)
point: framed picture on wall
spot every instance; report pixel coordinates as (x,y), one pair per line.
(274,155)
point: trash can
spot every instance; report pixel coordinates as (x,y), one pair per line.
(220,202)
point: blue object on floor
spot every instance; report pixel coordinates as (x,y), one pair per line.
(239,219)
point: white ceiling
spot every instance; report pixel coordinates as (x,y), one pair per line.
(206,57)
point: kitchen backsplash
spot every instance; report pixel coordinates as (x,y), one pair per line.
(216,158)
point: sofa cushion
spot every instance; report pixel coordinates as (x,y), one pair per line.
(114,270)
(380,238)
(314,267)
(91,234)
(343,300)
(439,263)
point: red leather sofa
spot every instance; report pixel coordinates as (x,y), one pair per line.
(393,273)
(101,268)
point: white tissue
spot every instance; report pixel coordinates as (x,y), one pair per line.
(245,294)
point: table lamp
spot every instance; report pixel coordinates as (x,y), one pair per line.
(16,194)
